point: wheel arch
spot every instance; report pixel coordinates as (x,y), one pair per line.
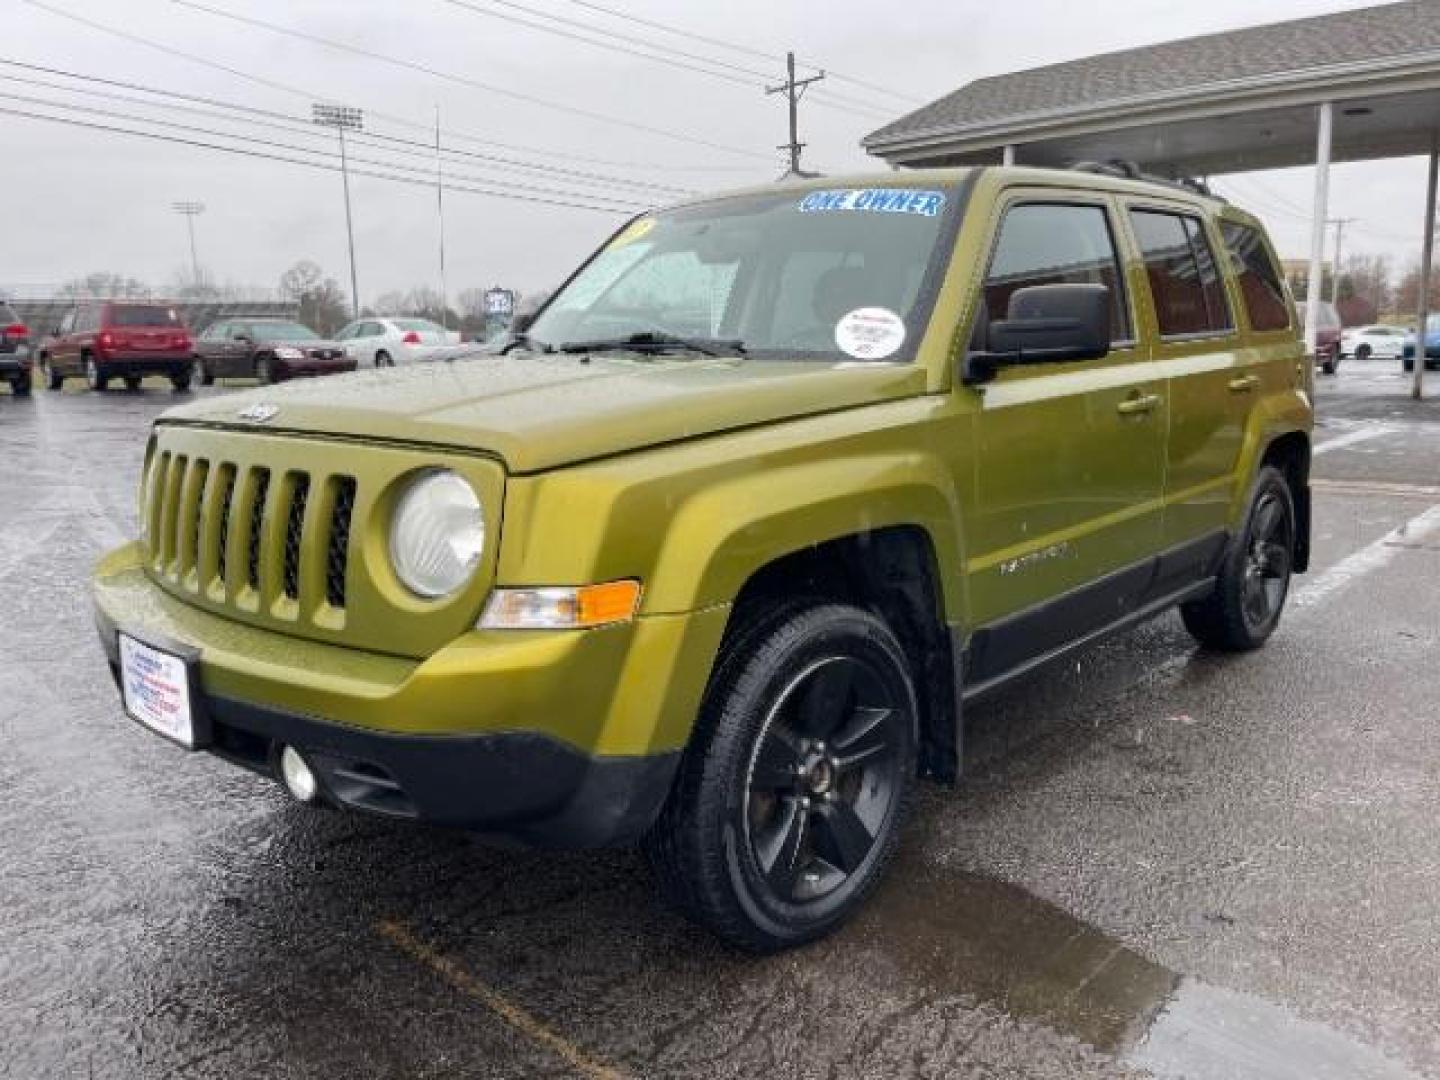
(1290,453)
(893,572)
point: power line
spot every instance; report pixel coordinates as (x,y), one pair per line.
(737,47)
(302,126)
(560,197)
(672,57)
(462,80)
(308,95)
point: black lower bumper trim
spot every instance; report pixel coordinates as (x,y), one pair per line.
(518,785)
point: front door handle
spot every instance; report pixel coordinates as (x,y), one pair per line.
(1244,384)
(1140,403)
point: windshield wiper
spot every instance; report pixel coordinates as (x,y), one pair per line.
(657,341)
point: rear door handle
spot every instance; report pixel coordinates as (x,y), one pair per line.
(1244,384)
(1141,403)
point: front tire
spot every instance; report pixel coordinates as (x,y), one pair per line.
(1254,580)
(788,803)
(382,359)
(207,377)
(132,383)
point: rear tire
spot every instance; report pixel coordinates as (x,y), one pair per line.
(181,380)
(788,803)
(207,377)
(1254,580)
(93,378)
(132,383)
(21,384)
(383,359)
(1362,353)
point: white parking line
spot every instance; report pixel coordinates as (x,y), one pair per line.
(1364,434)
(1369,558)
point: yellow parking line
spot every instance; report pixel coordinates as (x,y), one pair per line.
(534,1029)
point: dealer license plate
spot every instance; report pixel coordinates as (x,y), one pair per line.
(155,686)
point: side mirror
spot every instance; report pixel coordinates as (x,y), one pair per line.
(1045,324)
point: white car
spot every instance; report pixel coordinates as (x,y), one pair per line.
(383,342)
(1380,342)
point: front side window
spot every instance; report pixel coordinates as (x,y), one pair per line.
(1260,282)
(1056,244)
(789,275)
(1184,278)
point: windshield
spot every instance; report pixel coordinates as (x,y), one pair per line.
(283,331)
(845,274)
(143,316)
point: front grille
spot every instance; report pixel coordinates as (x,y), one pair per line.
(337,557)
(294,521)
(260,490)
(210,527)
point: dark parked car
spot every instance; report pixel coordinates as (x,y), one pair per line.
(15,358)
(1327,335)
(266,349)
(118,339)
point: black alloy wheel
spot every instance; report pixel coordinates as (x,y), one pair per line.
(787,805)
(1254,581)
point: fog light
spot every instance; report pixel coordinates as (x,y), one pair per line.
(298,776)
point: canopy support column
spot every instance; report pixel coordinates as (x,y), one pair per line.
(1318,212)
(1007,155)
(1427,251)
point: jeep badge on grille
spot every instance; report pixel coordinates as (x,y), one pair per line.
(259,413)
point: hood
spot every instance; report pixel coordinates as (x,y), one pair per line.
(538,412)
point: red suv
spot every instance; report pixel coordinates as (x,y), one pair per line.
(119,339)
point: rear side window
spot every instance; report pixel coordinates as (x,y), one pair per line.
(143,315)
(1056,244)
(1260,285)
(1184,278)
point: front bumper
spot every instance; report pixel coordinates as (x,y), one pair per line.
(291,369)
(564,739)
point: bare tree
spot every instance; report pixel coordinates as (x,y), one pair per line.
(323,305)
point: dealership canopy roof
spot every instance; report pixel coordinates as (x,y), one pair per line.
(1226,102)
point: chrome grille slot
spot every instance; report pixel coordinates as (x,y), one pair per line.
(187,519)
(170,513)
(338,549)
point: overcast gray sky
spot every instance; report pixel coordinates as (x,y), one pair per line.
(78,200)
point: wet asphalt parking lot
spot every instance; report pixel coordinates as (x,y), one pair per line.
(1160,862)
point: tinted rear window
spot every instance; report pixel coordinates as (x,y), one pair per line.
(1259,279)
(1184,280)
(147,315)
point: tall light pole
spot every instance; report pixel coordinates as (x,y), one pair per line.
(440,214)
(343,118)
(191,210)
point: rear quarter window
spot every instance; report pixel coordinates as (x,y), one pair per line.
(1260,283)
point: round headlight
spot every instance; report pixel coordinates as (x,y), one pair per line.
(437,534)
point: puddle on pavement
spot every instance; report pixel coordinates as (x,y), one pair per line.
(953,933)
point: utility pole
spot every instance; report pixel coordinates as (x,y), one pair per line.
(343,118)
(1427,260)
(190,210)
(440,214)
(1339,224)
(794,90)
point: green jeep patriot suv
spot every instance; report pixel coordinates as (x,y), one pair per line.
(715,553)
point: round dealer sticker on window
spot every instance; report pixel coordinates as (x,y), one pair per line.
(870,333)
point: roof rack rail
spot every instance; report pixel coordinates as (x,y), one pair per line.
(1129,170)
